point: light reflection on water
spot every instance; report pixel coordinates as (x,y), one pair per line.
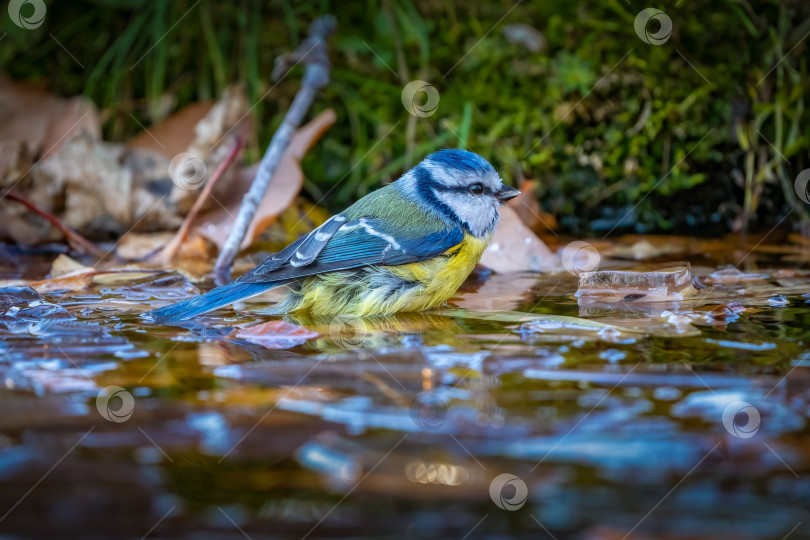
(686,419)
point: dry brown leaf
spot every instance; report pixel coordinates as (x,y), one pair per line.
(515,248)
(37,123)
(76,115)
(276,334)
(64,265)
(194,257)
(137,246)
(103,189)
(528,209)
(174,134)
(216,224)
(106,188)
(206,131)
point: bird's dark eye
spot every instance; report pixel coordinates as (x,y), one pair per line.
(476,189)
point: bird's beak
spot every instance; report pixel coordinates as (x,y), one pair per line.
(506,193)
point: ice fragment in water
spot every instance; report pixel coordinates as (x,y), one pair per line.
(25,303)
(731,275)
(646,283)
(20,306)
(172,287)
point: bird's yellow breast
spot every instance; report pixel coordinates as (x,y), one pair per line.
(369,291)
(442,276)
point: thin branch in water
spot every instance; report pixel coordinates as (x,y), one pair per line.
(313,54)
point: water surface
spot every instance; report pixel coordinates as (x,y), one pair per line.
(634,420)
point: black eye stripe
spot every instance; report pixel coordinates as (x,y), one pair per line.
(465,189)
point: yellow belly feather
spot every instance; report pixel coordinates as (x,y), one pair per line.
(438,279)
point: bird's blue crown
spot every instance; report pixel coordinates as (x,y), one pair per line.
(461,160)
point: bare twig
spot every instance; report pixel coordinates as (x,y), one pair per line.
(74,239)
(167,254)
(313,54)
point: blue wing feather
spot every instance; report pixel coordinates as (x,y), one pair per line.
(359,243)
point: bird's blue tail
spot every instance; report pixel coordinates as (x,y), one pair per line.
(213,299)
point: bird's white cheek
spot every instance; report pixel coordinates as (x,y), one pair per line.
(479,213)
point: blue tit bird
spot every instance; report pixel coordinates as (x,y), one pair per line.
(406,247)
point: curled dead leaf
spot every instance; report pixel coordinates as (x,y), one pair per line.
(173,134)
(515,248)
(528,209)
(63,265)
(276,334)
